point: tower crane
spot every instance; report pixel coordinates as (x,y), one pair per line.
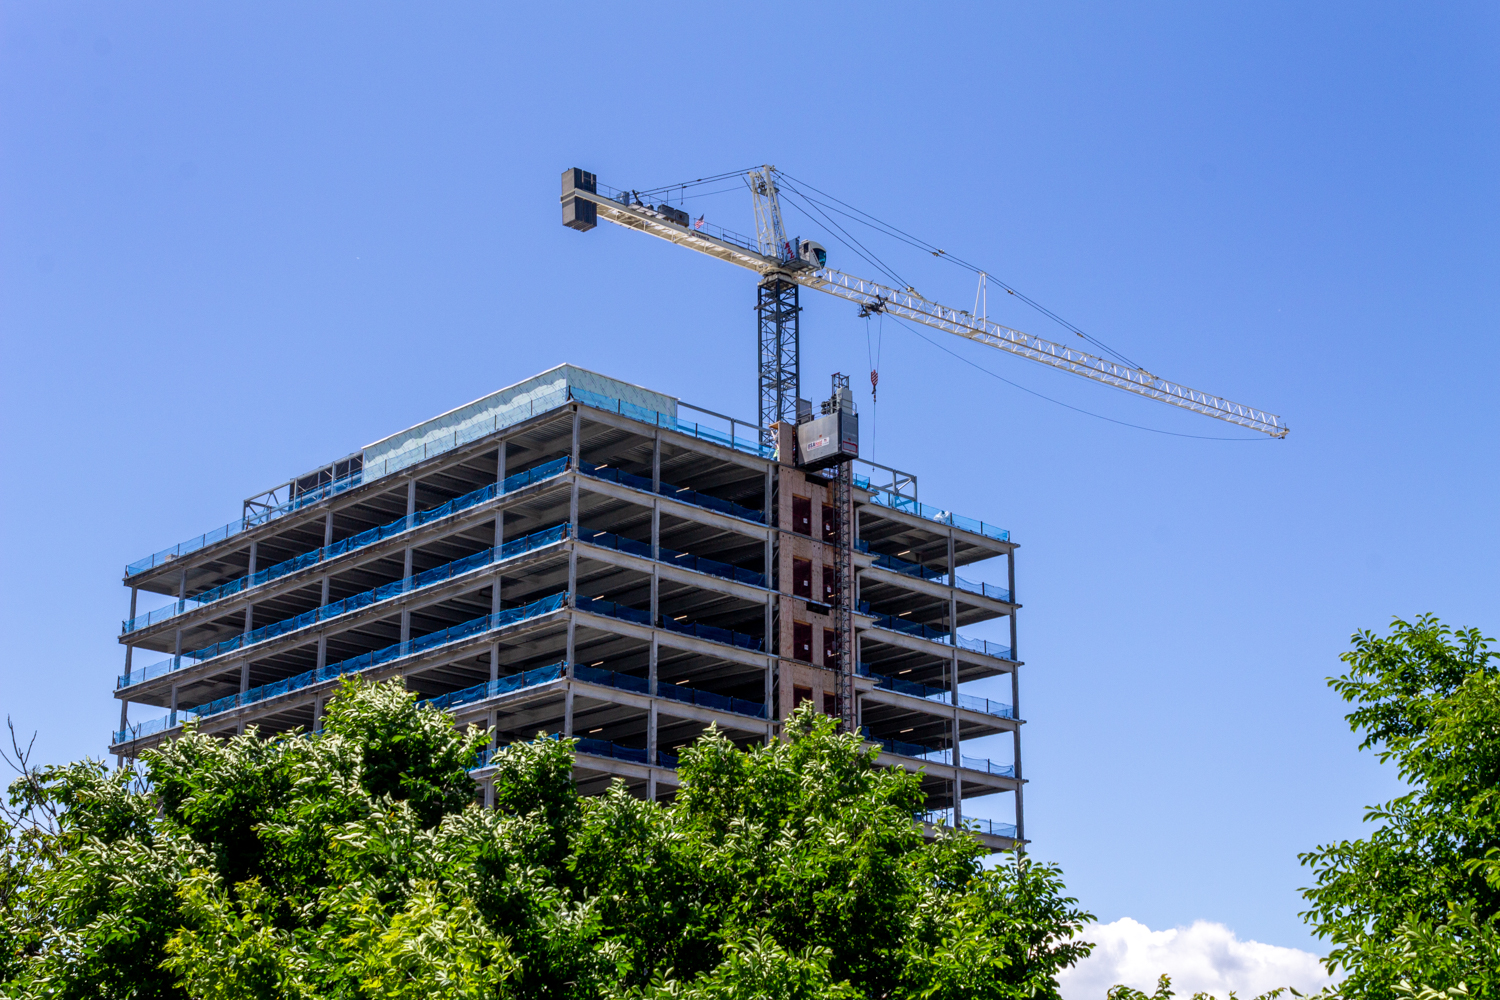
(786,265)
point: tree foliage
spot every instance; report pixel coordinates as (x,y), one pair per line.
(1413,910)
(355,863)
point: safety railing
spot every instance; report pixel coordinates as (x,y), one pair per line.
(986,705)
(984,589)
(944,817)
(674,692)
(666,759)
(989,767)
(396,651)
(672,557)
(936,694)
(903,686)
(914,751)
(713,634)
(897,624)
(614,679)
(432,447)
(600,606)
(907,505)
(682,493)
(985,646)
(752,445)
(912,569)
(498,686)
(604,748)
(246,521)
(354,602)
(920,572)
(368,537)
(707,699)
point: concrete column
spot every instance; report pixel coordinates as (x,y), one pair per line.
(500,459)
(328,529)
(494,669)
(411,510)
(244,679)
(322,650)
(250,608)
(317,724)
(958,759)
(173,706)
(324,598)
(1010,573)
(405,624)
(651,750)
(1015,708)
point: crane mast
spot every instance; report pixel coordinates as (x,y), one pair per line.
(785,266)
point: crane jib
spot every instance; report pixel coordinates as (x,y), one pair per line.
(907,304)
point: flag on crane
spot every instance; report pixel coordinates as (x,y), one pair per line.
(699,223)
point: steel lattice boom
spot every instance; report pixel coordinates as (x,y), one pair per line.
(619,208)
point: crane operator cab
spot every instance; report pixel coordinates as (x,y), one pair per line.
(813,253)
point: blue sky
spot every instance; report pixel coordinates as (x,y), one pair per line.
(239,240)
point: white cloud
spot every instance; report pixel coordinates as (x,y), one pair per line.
(1205,957)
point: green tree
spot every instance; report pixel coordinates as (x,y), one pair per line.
(1412,909)
(355,863)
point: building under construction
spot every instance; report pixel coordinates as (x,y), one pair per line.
(580,556)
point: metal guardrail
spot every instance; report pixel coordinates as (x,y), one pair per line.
(498,686)
(921,631)
(682,493)
(712,633)
(396,651)
(941,695)
(674,558)
(437,574)
(461,436)
(672,692)
(917,571)
(885,498)
(369,537)
(944,817)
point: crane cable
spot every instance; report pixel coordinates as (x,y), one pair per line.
(1078,409)
(874,356)
(889,230)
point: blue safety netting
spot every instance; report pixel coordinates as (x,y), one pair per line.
(937,694)
(498,686)
(703,565)
(248,521)
(674,692)
(944,817)
(437,574)
(472,499)
(885,498)
(396,651)
(681,493)
(751,444)
(354,602)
